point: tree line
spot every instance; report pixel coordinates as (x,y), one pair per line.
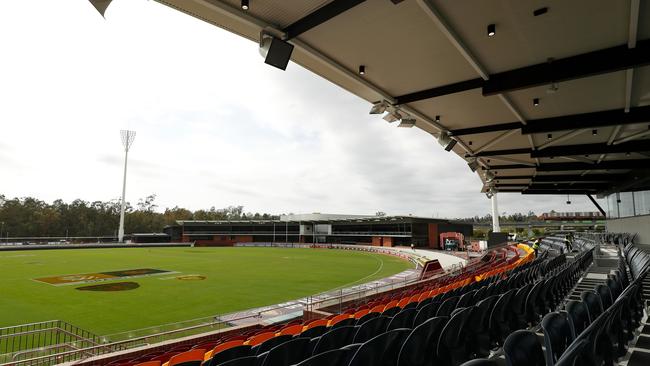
(31,217)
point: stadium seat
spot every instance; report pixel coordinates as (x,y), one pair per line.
(188,358)
(243,361)
(423,314)
(522,348)
(366,317)
(291,330)
(335,338)
(371,328)
(314,331)
(605,296)
(260,338)
(557,336)
(447,306)
(229,354)
(361,313)
(390,312)
(466,299)
(452,346)
(578,317)
(149,363)
(420,346)
(518,307)
(329,358)
(403,319)
(381,350)
(572,354)
(316,323)
(593,302)
(480,362)
(479,327)
(222,347)
(499,322)
(288,353)
(338,319)
(270,343)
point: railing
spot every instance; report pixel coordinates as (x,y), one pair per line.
(44,338)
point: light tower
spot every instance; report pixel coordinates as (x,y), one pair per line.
(127,141)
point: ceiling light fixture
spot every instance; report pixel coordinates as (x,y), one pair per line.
(627,153)
(244,4)
(473,164)
(491,30)
(379,107)
(362,69)
(540,11)
(446,141)
(549,136)
(438,120)
(568,200)
(393,116)
(407,121)
(594,132)
(536,102)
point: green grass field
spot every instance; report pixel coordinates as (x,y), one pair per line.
(236,279)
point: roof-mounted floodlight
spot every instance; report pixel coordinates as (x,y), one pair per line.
(275,51)
(407,121)
(473,164)
(393,116)
(379,107)
(446,141)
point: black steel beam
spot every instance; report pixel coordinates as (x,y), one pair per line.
(588,120)
(508,177)
(440,91)
(319,16)
(484,129)
(587,64)
(552,167)
(556,191)
(577,178)
(564,186)
(597,205)
(525,150)
(588,149)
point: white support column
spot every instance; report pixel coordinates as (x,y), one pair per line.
(495,214)
(120,233)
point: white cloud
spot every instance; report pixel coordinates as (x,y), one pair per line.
(215,125)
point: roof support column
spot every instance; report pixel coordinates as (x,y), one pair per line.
(495,214)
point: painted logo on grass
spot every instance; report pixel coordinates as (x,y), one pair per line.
(116,286)
(191,278)
(101,276)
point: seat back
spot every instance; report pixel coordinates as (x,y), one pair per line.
(188,356)
(480,362)
(451,345)
(288,353)
(420,346)
(367,317)
(242,361)
(593,302)
(522,348)
(466,299)
(578,317)
(335,338)
(229,354)
(447,306)
(605,296)
(371,328)
(557,336)
(329,358)
(312,332)
(270,343)
(422,315)
(403,319)
(381,350)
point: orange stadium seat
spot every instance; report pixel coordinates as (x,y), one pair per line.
(317,323)
(378,308)
(338,318)
(291,330)
(195,355)
(361,313)
(403,302)
(149,363)
(391,304)
(257,339)
(223,346)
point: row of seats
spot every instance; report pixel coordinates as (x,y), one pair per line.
(593,331)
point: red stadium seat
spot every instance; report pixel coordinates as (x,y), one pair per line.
(149,363)
(291,330)
(338,318)
(188,356)
(257,339)
(317,323)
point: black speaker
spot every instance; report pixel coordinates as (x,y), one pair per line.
(279,53)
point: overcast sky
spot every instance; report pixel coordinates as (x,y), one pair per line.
(215,125)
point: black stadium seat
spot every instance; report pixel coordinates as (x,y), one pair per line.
(270,343)
(366,317)
(243,361)
(335,338)
(593,302)
(479,327)
(288,353)
(522,348)
(480,362)
(452,346)
(447,307)
(499,322)
(229,354)
(314,332)
(420,346)
(557,336)
(403,319)
(329,358)
(605,296)
(371,328)
(578,316)
(381,350)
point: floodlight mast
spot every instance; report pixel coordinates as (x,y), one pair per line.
(127,141)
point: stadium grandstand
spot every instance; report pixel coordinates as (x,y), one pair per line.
(538,97)
(320,228)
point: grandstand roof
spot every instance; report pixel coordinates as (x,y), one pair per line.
(556,101)
(374,219)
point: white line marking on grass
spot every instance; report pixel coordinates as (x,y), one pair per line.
(381,266)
